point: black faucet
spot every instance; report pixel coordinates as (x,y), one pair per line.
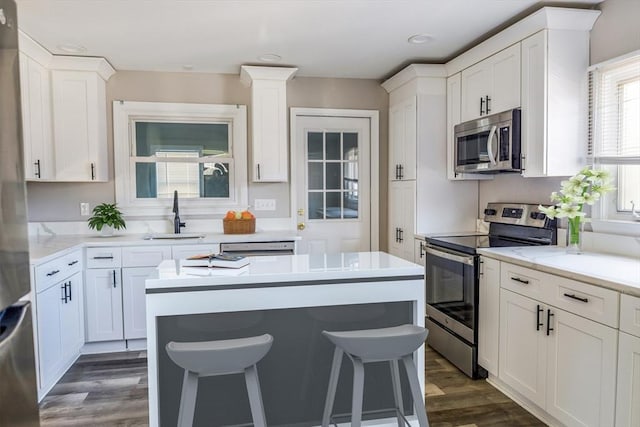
(176,219)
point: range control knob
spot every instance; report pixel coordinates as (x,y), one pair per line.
(533,215)
(541,215)
(537,215)
(490,212)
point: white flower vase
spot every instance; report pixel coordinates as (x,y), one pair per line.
(574,235)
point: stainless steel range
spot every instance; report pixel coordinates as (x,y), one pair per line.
(452,281)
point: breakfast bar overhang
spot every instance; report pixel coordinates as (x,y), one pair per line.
(293,298)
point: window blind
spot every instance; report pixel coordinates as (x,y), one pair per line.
(614,112)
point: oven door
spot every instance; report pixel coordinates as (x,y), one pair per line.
(451,291)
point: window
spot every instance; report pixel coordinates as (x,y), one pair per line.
(198,150)
(614,131)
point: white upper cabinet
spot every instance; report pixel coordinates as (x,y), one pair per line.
(268,121)
(492,85)
(80,126)
(554,102)
(402,138)
(37,132)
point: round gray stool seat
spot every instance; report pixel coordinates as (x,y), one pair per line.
(219,357)
(392,345)
(380,344)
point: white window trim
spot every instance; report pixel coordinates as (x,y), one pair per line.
(125,112)
(606,218)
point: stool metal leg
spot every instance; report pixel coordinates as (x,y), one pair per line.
(414,383)
(333,385)
(358,391)
(397,391)
(255,397)
(188,399)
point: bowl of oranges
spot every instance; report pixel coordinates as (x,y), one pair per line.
(239,222)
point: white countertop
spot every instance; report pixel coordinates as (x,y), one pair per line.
(609,271)
(44,248)
(344,267)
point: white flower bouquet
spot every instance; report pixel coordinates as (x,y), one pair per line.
(584,188)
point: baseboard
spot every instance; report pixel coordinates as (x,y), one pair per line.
(528,406)
(104,347)
(137,345)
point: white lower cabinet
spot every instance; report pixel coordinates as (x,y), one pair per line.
(628,396)
(420,251)
(59,325)
(133,301)
(489,314)
(103,290)
(523,346)
(581,370)
(402,201)
(564,363)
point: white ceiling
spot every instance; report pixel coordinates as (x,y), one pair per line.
(323,38)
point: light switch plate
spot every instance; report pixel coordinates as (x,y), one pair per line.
(264,204)
(85,209)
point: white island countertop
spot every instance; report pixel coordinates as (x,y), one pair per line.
(609,271)
(285,270)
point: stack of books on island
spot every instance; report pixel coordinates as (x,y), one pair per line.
(216,261)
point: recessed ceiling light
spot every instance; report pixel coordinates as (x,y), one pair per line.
(269,57)
(72,48)
(420,38)
(187,67)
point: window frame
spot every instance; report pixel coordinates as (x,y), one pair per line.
(606,216)
(127,113)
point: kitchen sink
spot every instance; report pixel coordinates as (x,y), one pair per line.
(172,236)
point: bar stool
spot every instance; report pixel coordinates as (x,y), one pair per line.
(377,345)
(210,358)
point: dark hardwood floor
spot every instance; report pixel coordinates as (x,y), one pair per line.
(111,390)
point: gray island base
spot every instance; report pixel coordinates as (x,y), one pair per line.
(293,298)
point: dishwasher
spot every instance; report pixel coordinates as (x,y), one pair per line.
(258,248)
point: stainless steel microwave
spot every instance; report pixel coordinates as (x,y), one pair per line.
(490,144)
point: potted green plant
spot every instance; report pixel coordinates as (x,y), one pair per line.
(106,218)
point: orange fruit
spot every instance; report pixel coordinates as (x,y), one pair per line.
(230,215)
(247,215)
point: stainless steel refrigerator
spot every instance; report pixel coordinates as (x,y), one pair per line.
(18,401)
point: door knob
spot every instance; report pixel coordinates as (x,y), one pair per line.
(301,226)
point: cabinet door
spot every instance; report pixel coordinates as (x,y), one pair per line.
(402,218)
(185,251)
(523,349)
(475,86)
(402,140)
(269,148)
(133,301)
(628,396)
(37,132)
(505,80)
(50,356)
(489,314)
(71,320)
(581,370)
(103,310)
(79,126)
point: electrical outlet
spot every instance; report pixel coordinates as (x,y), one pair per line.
(264,204)
(85,210)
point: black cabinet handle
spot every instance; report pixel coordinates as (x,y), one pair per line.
(401,171)
(401,235)
(397,234)
(258,171)
(487,104)
(481,106)
(573,296)
(53,273)
(69,284)
(114,278)
(72,263)
(397,172)
(93,171)
(63,288)
(37,173)
(549,328)
(103,257)
(422,252)
(538,322)
(519,280)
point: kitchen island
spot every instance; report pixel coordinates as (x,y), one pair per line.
(293,298)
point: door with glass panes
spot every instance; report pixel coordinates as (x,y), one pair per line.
(333,184)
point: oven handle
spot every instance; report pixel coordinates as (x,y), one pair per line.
(469,260)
